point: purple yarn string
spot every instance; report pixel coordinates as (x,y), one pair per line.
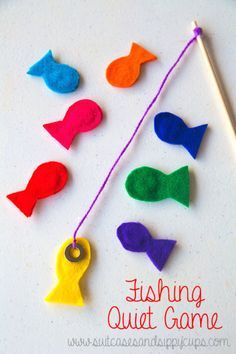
(197,31)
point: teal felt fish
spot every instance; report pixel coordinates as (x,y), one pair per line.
(58,77)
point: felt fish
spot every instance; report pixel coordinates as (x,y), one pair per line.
(135,237)
(82,116)
(125,71)
(70,267)
(60,78)
(48,179)
(151,185)
(172,129)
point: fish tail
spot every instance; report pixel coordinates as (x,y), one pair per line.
(66,294)
(178,186)
(141,53)
(159,252)
(59,132)
(38,68)
(24,201)
(194,138)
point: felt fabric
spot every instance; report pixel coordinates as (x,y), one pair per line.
(172,129)
(135,237)
(124,72)
(48,179)
(67,291)
(60,78)
(151,185)
(82,116)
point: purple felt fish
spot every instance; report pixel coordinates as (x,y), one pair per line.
(135,237)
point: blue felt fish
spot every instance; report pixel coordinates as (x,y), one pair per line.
(172,129)
(58,77)
(135,237)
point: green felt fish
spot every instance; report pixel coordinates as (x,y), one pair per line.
(151,185)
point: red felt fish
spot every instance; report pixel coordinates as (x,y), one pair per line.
(48,179)
(82,116)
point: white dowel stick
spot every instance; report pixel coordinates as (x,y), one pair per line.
(215,78)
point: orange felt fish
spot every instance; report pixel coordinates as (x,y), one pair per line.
(125,71)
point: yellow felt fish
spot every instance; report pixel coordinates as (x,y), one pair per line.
(69,273)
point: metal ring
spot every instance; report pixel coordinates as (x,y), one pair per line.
(70,257)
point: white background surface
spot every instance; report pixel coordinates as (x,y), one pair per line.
(89,35)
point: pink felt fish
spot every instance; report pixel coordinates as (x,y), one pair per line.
(82,116)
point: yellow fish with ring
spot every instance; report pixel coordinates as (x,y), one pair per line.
(71,265)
